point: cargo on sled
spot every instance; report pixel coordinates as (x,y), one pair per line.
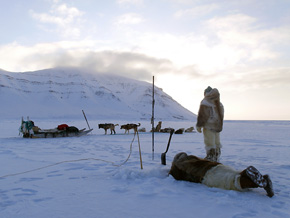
(29,130)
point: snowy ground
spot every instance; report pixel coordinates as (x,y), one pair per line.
(95,188)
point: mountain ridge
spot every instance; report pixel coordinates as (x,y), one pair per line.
(64,92)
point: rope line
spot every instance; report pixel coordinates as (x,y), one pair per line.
(71,161)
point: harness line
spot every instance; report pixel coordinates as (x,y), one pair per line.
(78,160)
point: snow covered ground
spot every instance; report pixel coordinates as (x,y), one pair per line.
(97,188)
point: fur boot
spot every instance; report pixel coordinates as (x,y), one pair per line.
(269,186)
(211,155)
(246,181)
(256,176)
(252,178)
(218,154)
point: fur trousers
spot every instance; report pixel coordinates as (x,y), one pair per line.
(212,144)
(223,177)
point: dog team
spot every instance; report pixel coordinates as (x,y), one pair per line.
(127,127)
(112,126)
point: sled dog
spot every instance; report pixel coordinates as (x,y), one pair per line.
(129,126)
(107,126)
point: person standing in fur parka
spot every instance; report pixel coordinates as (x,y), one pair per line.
(210,118)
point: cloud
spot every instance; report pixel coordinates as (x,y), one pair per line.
(139,66)
(261,78)
(130,2)
(230,21)
(65,19)
(249,42)
(133,65)
(129,19)
(187,2)
(243,29)
(196,11)
(77,54)
(223,50)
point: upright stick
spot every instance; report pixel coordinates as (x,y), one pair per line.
(152,120)
(140,151)
(86,119)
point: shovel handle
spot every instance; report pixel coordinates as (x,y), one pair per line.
(171,133)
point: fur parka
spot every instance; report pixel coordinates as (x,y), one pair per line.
(211,112)
(213,174)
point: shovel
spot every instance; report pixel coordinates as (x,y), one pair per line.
(163,155)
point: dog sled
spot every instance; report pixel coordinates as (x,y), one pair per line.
(29,130)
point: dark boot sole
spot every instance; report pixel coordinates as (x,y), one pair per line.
(256,176)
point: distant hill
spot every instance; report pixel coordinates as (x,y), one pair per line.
(64,92)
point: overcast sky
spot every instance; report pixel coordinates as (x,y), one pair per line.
(241,47)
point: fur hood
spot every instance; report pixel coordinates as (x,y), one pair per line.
(212,95)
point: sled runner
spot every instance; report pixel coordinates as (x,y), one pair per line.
(29,130)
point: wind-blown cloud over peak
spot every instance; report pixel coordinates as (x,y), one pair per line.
(69,54)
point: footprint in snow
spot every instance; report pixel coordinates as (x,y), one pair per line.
(25,192)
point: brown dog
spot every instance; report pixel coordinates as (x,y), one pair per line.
(158,127)
(129,126)
(190,129)
(107,126)
(166,130)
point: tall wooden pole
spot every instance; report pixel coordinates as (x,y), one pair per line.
(152,120)
(140,151)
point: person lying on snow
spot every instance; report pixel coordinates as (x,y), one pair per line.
(214,174)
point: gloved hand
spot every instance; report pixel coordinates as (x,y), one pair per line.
(198,129)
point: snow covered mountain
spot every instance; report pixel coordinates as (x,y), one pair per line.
(65,92)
